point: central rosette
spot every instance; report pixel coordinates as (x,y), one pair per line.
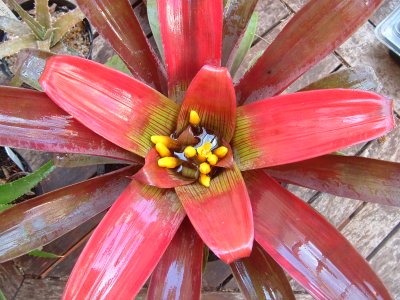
(193,154)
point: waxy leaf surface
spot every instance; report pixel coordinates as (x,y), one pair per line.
(30,120)
(117,23)
(178,274)
(299,126)
(314,32)
(127,245)
(112,104)
(352,177)
(34,223)
(212,96)
(191,33)
(310,249)
(221,214)
(260,277)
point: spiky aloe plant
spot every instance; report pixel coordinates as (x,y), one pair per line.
(40,32)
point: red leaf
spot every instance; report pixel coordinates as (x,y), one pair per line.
(236,16)
(29,119)
(191,33)
(212,96)
(152,174)
(260,277)
(117,23)
(352,177)
(127,245)
(314,32)
(299,126)
(39,221)
(112,104)
(221,214)
(310,249)
(178,274)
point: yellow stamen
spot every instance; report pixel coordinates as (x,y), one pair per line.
(194,118)
(204,168)
(204,150)
(212,159)
(169,162)
(201,158)
(189,152)
(163,150)
(221,151)
(166,140)
(205,180)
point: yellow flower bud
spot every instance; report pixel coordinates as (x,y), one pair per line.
(221,151)
(166,140)
(189,152)
(163,150)
(169,162)
(212,159)
(194,118)
(205,180)
(204,168)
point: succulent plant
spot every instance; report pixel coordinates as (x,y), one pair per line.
(41,32)
(203,158)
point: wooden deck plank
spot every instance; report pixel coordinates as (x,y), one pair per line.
(364,48)
(386,264)
(10,279)
(270,13)
(386,8)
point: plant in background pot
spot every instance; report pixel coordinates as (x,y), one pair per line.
(56,26)
(209,156)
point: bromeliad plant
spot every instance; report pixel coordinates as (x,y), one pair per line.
(40,32)
(205,158)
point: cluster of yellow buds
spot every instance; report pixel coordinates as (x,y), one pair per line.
(202,154)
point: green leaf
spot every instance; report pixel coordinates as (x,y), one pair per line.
(206,254)
(43,13)
(245,44)
(64,24)
(13,26)
(44,254)
(117,63)
(152,14)
(38,29)
(358,78)
(2,296)
(13,190)
(13,46)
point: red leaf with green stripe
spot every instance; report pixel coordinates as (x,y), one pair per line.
(178,274)
(30,120)
(310,249)
(117,23)
(260,277)
(299,126)
(39,221)
(191,33)
(127,245)
(314,32)
(359,178)
(221,214)
(212,96)
(112,104)
(236,16)
(152,174)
